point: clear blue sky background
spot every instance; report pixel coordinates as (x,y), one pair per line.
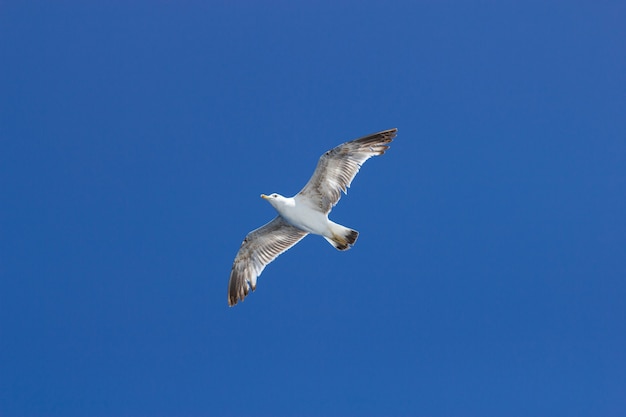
(489,276)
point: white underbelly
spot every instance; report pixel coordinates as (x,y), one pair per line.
(306,219)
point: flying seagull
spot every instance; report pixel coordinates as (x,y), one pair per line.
(306,212)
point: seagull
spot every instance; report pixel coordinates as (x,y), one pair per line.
(306,212)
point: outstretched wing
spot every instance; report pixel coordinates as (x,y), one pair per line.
(337,168)
(259,248)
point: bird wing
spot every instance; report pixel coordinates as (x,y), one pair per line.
(337,168)
(259,248)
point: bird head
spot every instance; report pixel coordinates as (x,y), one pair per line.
(273,199)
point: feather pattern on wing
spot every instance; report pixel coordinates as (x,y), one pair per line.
(337,168)
(259,248)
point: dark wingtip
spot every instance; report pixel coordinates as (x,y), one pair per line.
(379,138)
(233,298)
(389,132)
(235,294)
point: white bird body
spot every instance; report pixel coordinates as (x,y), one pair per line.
(299,214)
(306,212)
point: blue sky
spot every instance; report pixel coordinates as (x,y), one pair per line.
(488,278)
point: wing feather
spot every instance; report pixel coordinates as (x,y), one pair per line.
(259,248)
(337,168)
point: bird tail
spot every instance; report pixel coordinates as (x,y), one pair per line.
(342,238)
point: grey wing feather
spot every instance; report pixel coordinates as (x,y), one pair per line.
(259,248)
(337,168)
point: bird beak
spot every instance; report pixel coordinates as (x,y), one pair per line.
(265,197)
